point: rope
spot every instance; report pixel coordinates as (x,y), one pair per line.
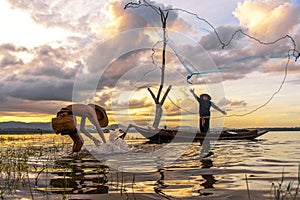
(256,109)
(291,53)
(271,98)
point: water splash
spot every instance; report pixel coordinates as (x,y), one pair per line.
(113,145)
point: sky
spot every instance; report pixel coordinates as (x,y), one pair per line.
(57,52)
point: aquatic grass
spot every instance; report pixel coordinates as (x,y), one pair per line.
(247,184)
(132,186)
(22,163)
(123,183)
(65,185)
(13,169)
(19,163)
(289,192)
(279,191)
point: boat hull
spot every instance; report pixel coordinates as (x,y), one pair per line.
(167,135)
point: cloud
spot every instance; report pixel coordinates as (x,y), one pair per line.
(120,19)
(232,103)
(77,15)
(47,73)
(172,110)
(7,58)
(12,106)
(44,73)
(244,55)
(262,18)
(132,103)
(96,17)
(108,73)
(49,63)
(139,103)
(53,62)
(103,98)
(40,89)
(211,42)
(10,60)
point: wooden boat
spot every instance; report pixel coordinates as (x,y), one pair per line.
(167,135)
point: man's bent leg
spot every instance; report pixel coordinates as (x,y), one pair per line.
(77,145)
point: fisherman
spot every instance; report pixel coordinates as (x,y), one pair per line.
(96,115)
(205,103)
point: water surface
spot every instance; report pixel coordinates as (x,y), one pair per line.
(264,162)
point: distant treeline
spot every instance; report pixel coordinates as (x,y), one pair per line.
(106,130)
(282,129)
(33,131)
(23,130)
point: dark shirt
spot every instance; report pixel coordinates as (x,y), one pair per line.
(204,107)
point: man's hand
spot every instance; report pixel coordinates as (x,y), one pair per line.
(192,90)
(97,142)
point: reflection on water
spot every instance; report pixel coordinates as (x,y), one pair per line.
(81,176)
(160,184)
(54,171)
(209,178)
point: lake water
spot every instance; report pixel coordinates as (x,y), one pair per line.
(225,175)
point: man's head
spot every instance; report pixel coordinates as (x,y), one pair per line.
(101,115)
(205,97)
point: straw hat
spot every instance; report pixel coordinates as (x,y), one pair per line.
(103,119)
(202,95)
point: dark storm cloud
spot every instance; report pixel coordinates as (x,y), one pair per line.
(44,76)
(40,89)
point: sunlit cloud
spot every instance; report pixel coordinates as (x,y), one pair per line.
(263,18)
(233,103)
(118,19)
(60,38)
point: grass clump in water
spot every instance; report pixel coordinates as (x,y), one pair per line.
(288,192)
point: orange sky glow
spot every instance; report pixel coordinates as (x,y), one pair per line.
(41,56)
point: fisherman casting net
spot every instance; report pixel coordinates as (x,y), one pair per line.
(291,53)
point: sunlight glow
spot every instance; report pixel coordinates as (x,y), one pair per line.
(19,28)
(27,117)
(109,25)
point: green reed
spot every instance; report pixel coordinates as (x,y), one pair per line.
(13,167)
(281,191)
(17,164)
